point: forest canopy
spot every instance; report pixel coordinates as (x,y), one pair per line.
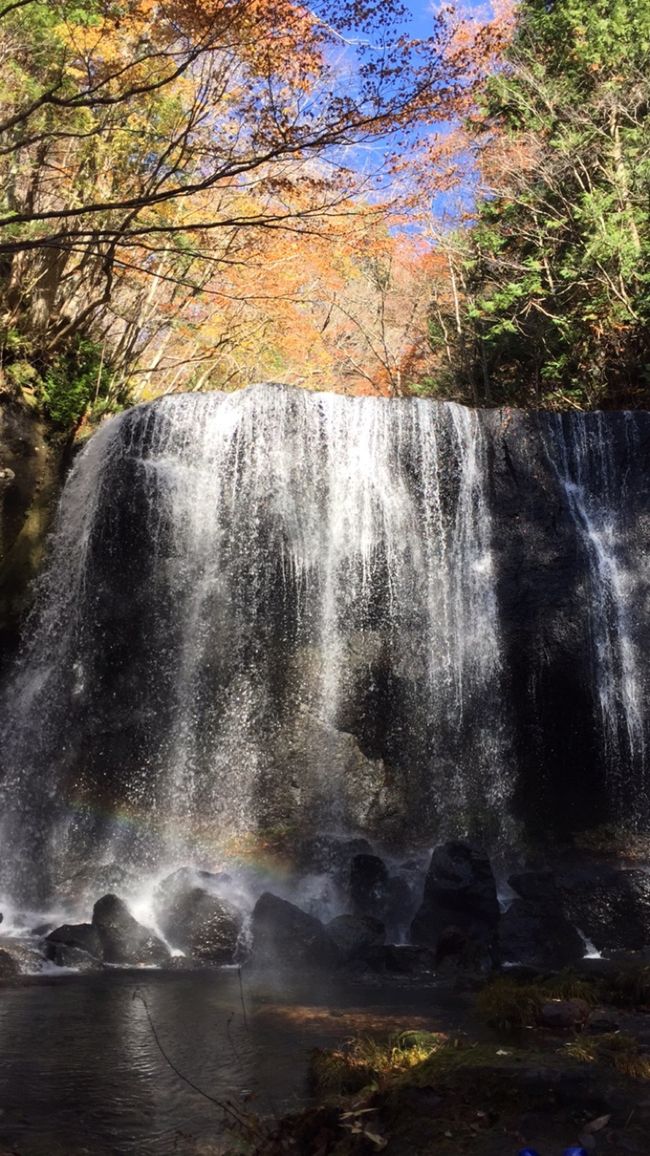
(202,194)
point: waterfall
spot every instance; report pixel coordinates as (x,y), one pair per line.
(262,611)
(274,612)
(595,483)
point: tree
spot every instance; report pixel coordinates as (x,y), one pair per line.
(557,273)
(114,115)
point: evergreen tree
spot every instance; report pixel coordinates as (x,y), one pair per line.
(557,269)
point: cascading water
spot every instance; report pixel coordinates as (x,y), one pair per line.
(273,612)
(262,610)
(581,449)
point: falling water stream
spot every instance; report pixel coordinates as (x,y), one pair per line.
(581,451)
(255,605)
(273,612)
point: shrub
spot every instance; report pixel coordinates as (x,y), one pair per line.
(72,381)
(506,1004)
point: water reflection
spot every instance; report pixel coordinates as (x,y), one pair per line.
(82,1070)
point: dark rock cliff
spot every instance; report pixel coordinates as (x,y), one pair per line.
(573,590)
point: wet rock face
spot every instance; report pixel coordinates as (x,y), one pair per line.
(329,854)
(435,627)
(554,604)
(534,930)
(460,896)
(78,936)
(9,969)
(203,925)
(30,469)
(611,907)
(369,884)
(406,961)
(285,936)
(354,934)
(123,939)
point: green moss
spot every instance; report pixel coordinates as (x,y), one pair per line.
(21,374)
(361,1063)
(506,1004)
(462,1096)
(615,1050)
(436,1061)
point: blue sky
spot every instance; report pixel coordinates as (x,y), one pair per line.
(421,10)
(369,157)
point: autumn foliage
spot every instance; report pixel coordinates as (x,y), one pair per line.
(204,193)
(182,204)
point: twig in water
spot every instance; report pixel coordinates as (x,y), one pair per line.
(241,996)
(226,1107)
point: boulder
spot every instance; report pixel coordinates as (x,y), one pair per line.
(201,924)
(123,939)
(611,907)
(564,1014)
(534,936)
(285,936)
(603,1021)
(534,930)
(403,960)
(43,929)
(536,886)
(459,893)
(369,885)
(354,934)
(64,956)
(9,969)
(400,908)
(81,936)
(26,955)
(454,948)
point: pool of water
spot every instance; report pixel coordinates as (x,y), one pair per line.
(104,1064)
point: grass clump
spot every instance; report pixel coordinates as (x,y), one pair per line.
(506,1003)
(362,1063)
(460,1055)
(629,986)
(615,1050)
(413,1058)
